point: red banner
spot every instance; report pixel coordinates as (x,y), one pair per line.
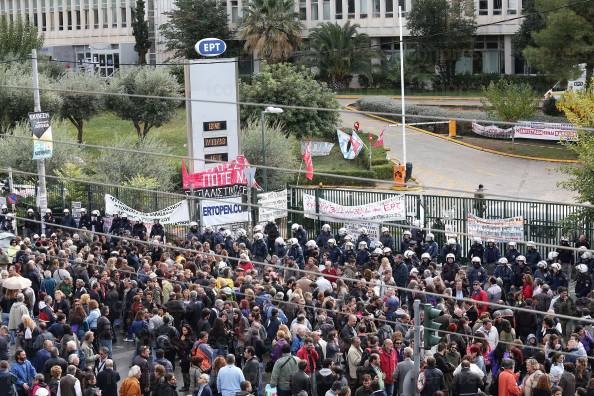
(227,174)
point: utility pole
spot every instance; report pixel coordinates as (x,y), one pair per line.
(13,206)
(42,189)
(402,87)
(417,340)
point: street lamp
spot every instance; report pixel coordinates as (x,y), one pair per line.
(271,110)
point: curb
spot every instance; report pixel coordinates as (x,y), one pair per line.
(414,97)
(469,145)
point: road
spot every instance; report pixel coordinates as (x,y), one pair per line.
(441,164)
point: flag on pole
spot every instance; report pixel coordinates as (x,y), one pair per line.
(380,141)
(355,145)
(308,162)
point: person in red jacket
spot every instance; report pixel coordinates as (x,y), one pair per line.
(388,361)
(527,288)
(478,294)
(308,353)
(507,385)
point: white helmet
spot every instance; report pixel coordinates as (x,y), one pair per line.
(326,227)
(241,232)
(586,255)
(387,251)
(377,251)
(409,254)
(362,245)
(414,271)
(476,259)
(124,216)
(564,239)
(4,206)
(342,231)
(490,240)
(193,224)
(582,268)
(311,244)
(257,228)
(512,244)
(407,233)
(348,238)
(48,210)
(293,241)
(96,213)
(349,245)
(451,241)
(542,264)
(531,244)
(376,245)
(279,241)
(294,227)
(502,260)
(257,236)
(450,255)
(553,255)
(226,233)
(385,229)
(477,240)
(332,241)
(363,231)
(66,210)
(521,258)
(83,210)
(426,256)
(30,210)
(430,237)
(556,266)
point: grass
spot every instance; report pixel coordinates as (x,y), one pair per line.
(396,92)
(336,162)
(529,148)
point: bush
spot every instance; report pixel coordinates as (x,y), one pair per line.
(507,101)
(549,107)
(336,180)
(383,172)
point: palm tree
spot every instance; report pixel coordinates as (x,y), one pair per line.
(271,29)
(340,51)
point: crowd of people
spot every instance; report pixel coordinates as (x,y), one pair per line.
(251,313)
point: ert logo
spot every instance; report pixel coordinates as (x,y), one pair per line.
(210,47)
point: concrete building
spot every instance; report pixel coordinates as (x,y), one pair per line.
(100,32)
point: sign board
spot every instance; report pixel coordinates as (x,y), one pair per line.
(215,142)
(76,207)
(372,230)
(501,230)
(42,135)
(178,213)
(318,149)
(223,175)
(210,47)
(2,201)
(391,209)
(273,205)
(545,131)
(211,85)
(225,211)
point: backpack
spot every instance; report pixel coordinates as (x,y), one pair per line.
(201,358)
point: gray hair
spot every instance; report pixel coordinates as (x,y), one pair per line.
(71,370)
(108,363)
(134,371)
(20,297)
(408,352)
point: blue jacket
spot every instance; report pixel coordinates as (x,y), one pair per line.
(400,274)
(280,250)
(259,250)
(206,391)
(334,254)
(476,274)
(387,241)
(25,373)
(39,360)
(322,239)
(506,274)
(362,257)
(296,252)
(532,258)
(432,248)
(301,236)
(491,255)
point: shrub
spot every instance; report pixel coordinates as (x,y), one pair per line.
(507,101)
(549,107)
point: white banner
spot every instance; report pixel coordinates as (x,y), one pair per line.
(390,209)
(225,211)
(502,230)
(318,149)
(175,214)
(275,205)
(492,131)
(545,131)
(372,230)
(344,141)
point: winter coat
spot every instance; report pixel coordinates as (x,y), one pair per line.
(491,255)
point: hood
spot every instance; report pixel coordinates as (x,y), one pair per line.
(529,337)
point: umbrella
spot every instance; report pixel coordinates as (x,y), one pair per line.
(16,283)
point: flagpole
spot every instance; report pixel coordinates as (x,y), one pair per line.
(299,174)
(402,87)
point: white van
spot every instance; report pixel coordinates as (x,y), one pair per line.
(572,85)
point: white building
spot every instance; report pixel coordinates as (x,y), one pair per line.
(99,31)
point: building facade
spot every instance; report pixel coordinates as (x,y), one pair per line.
(99,32)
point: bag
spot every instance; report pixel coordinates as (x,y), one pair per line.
(199,355)
(269,366)
(270,390)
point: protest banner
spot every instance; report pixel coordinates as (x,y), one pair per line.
(492,131)
(226,211)
(346,147)
(545,131)
(501,230)
(43,146)
(318,149)
(273,205)
(175,214)
(390,209)
(223,175)
(372,230)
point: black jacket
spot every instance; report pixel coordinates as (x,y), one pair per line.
(466,383)
(107,381)
(300,381)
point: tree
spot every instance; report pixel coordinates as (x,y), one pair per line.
(286,84)
(533,21)
(339,51)
(566,41)
(116,167)
(192,20)
(79,108)
(15,104)
(510,102)
(271,29)
(416,71)
(579,110)
(281,151)
(140,31)
(443,29)
(17,39)
(145,113)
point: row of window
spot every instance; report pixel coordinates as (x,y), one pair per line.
(75,20)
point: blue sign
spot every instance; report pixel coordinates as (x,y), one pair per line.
(210,47)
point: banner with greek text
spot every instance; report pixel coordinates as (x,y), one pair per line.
(545,131)
(390,209)
(492,131)
(372,230)
(501,230)
(175,214)
(43,146)
(223,175)
(273,205)
(225,211)
(318,149)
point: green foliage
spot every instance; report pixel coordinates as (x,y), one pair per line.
(417,72)
(79,108)
(286,84)
(443,30)
(476,82)
(506,101)
(140,31)
(533,21)
(74,191)
(271,29)
(52,70)
(549,107)
(281,151)
(340,51)
(565,41)
(192,20)
(17,39)
(118,167)
(143,112)
(137,199)
(15,104)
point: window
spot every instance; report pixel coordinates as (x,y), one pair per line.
(114,17)
(351,10)
(402,5)
(362,9)
(338,6)
(314,10)
(96,18)
(389,8)
(234,11)
(69,14)
(123,17)
(60,20)
(483,7)
(86,14)
(512,7)
(376,9)
(77,20)
(497,5)
(104,15)
(302,10)
(326,9)
(44,22)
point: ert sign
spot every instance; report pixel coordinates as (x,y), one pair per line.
(210,47)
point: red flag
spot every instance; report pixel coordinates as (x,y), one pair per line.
(354,144)
(308,162)
(380,140)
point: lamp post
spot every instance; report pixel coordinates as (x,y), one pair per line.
(271,110)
